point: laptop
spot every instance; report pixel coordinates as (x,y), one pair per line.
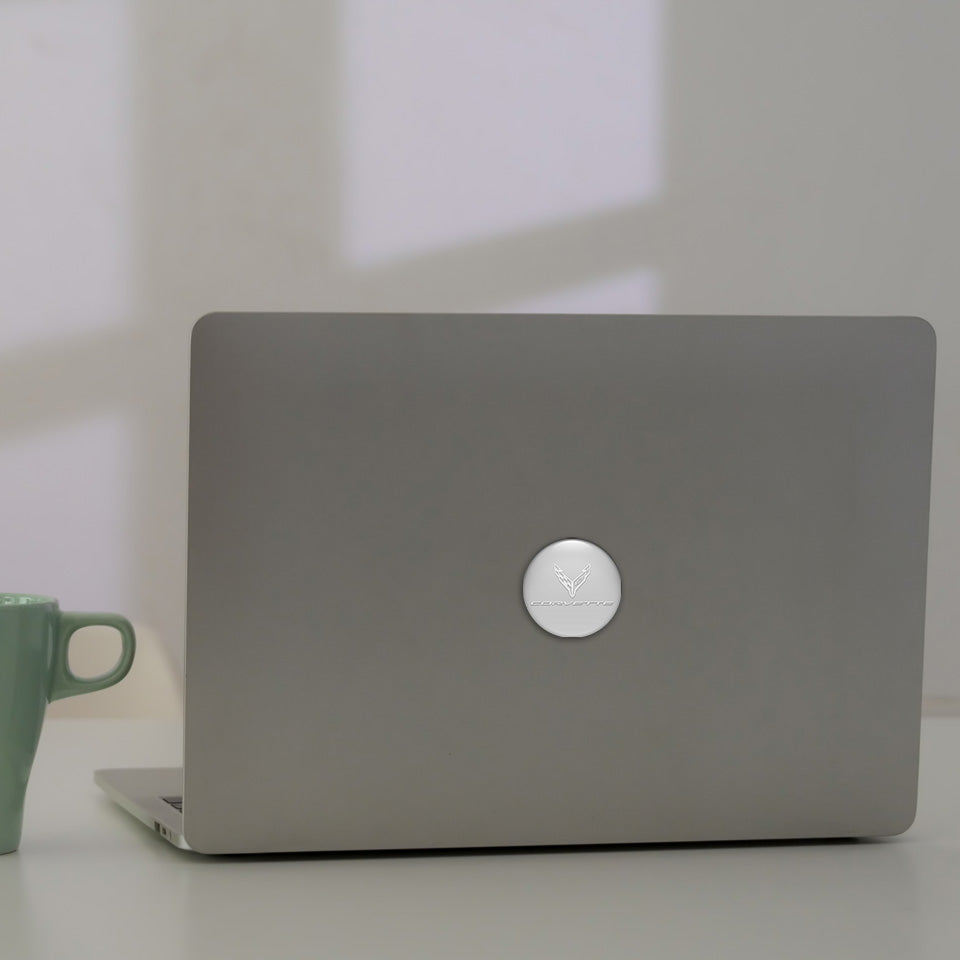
(492,581)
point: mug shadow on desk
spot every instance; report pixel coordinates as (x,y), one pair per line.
(20,923)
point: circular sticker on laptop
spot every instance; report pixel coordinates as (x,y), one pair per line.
(572,588)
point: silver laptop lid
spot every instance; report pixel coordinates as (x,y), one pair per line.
(366,664)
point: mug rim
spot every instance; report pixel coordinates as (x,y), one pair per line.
(14,600)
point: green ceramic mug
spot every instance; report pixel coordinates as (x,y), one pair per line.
(34,670)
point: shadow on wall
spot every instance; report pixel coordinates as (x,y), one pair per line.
(165,159)
(170,160)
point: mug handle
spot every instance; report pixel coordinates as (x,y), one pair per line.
(63,682)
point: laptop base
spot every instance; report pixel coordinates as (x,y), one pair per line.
(144,793)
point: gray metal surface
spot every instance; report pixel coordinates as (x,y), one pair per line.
(366,492)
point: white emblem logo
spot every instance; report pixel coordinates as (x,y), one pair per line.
(587,601)
(572,585)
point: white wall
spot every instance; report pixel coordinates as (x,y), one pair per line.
(161,159)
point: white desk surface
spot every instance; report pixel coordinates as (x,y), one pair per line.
(89,881)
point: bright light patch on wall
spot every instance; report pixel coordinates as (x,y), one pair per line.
(63,514)
(470,119)
(64,86)
(632,293)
